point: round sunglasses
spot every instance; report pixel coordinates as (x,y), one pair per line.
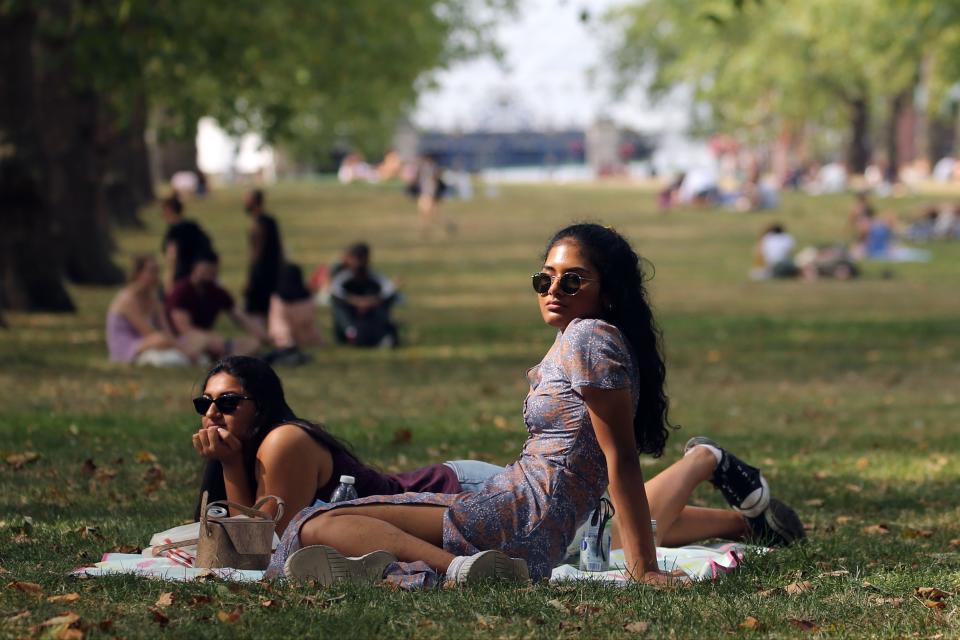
(226,404)
(570,283)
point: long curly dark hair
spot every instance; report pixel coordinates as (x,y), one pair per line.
(261,383)
(625,305)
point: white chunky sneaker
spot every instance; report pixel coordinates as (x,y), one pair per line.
(490,565)
(326,565)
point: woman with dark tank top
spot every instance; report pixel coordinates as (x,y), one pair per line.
(255,445)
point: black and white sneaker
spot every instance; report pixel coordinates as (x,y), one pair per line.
(778,526)
(744,487)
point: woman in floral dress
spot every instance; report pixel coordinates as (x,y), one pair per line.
(596,399)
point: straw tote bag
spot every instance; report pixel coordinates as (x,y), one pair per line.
(237,542)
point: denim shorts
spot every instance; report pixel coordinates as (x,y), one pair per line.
(472,474)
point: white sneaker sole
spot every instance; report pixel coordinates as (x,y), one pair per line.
(326,565)
(493,565)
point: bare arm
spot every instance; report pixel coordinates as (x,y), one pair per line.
(289,465)
(611,413)
(170,263)
(181,321)
(246,323)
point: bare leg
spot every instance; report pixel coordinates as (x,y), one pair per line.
(410,532)
(678,524)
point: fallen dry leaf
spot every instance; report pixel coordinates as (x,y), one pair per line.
(487,622)
(69,633)
(918,533)
(804,625)
(20,460)
(586,609)
(165,600)
(64,619)
(27,587)
(863,463)
(159,616)
(888,602)
(814,502)
(843,519)
(402,436)
(229,618)
(569,625)
(21,615)
(794,588)
(145,457)
(834,574)
(67,597)
(558,605)
(88,467)
(750,623)
(877,530)
(766,593)
(637,626)
(822,475)
(935,604)
(200,599)
(932,593)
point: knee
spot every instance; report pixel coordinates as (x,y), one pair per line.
(316,530)
(703,460)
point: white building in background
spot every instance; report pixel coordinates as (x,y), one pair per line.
(230,159)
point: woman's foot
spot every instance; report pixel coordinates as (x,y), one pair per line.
(778,525)
(744,487)
(326,565)
(487,565)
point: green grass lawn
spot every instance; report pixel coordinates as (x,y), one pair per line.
(846,393)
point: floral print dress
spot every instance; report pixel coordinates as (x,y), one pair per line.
(531,509)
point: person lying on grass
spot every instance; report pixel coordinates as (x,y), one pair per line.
(596,401)
(255,445)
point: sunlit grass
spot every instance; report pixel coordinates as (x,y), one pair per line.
(847,393)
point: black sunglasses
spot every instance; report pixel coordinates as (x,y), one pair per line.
(570,282)
(226,404)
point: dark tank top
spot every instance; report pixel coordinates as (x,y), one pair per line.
(437,478)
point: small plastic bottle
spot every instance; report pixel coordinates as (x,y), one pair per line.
(595,548)
(345,491)
(217,512)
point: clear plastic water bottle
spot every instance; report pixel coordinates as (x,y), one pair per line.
(595,548)
(345,491)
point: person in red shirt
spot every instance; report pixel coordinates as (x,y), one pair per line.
(195,303)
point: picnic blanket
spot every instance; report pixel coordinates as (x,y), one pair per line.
(707,562)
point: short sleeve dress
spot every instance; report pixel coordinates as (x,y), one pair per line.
(532,508)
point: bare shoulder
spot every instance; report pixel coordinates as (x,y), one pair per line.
(289,441)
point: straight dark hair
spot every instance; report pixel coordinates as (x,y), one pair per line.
(626,306)
(261,383)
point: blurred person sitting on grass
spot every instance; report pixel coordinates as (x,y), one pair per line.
(773,254)
(362,300)
(194,305)
(255,445)
(292,321)
(137,328)
(596,401)
(182,243)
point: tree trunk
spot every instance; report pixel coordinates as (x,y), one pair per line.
(124,180)
(30,249)
(897,105)
(858,153)
(68,117)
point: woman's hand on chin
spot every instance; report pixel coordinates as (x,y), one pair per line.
(216,443)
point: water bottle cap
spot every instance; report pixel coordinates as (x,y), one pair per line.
(347,479)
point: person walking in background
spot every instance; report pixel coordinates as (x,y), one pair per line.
(266,257)
(182,243)
(137,328)
(362,300)
(429,188)
(196,301)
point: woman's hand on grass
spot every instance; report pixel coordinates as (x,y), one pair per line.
(216,443)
